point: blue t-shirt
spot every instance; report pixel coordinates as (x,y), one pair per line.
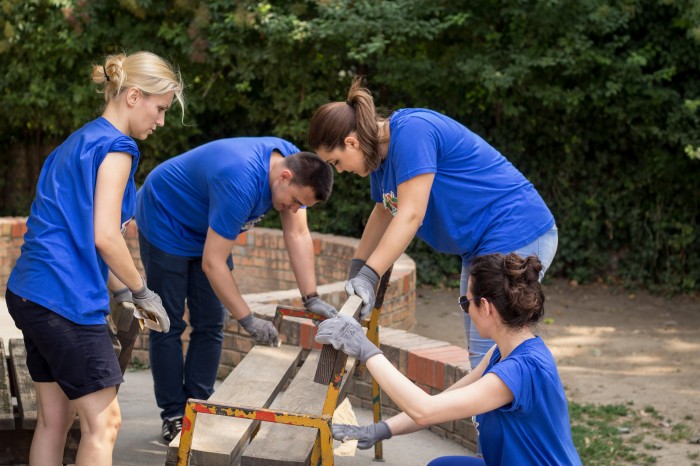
(534,429)
(479,202)
(59,267)
(224,185)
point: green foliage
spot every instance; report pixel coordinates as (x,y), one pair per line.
(595,101)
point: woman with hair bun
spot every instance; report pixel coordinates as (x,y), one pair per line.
(515,393)
(74,253)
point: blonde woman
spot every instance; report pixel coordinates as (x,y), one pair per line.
(57,293)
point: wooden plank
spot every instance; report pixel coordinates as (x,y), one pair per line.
(280,444)
(24,386)
(7,417)
(255,382)
(331,358)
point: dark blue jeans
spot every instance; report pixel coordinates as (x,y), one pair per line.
(176,279)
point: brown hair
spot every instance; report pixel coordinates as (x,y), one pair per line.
(143,70)
(310,170)
(333,122)
(511,283)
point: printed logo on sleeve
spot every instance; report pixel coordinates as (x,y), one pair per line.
(250,224)
(391,202)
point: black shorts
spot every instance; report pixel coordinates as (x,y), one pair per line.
(79,358)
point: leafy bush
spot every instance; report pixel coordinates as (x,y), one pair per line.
(595,101)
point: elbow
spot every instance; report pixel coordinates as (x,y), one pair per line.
(420,416)
(207,266)
(104,240)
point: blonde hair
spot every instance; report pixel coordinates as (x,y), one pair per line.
(143,70)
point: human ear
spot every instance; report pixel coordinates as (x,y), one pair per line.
(132,95)
(352,141)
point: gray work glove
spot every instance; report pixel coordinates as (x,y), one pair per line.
(122,295)
(344,333)
(261,330)
(150,309)
(367,435)
(364,285)
(355,266)
(320,307)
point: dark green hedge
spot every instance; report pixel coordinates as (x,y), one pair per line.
(595,101)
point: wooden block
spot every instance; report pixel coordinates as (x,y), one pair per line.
(7,417)
(280,444)
(24,387)
(331,358)
(255,382)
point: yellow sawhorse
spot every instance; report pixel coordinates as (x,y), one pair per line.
(322,453)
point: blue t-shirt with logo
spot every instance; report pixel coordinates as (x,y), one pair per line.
(534,429)
(224,185)
(59,267)
(479,202)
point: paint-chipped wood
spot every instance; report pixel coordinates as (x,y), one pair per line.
(255,382)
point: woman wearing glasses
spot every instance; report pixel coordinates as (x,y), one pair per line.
(515,393)
(434,178)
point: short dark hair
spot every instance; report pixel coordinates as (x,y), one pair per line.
(511,283)
(310,170)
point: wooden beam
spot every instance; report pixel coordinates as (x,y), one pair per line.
(280,444)
(7,417)
(255,382)
(331,359)
(24,386)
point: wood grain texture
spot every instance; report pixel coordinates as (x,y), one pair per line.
(279,444)
(7,417)
(331,359)
(24,387)
(255,382)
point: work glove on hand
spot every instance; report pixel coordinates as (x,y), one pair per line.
(344,333)
(364,285)
(122,295)
(355,266)
(367,435)
(320,307)
(149,307)
(261,330)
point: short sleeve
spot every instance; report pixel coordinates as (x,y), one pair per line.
(416,149)
(519,378)
(125,144)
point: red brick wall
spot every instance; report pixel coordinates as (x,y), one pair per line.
(263,273)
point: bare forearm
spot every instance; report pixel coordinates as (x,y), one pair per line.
(394,242)
(116,255)
(226,289)
(301,256)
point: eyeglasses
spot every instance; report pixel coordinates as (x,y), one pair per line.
(463,302)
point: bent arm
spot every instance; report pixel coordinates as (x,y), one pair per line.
(215,267)
(413,196)
(112,177)
(300,248)
(402,423)
(483,395)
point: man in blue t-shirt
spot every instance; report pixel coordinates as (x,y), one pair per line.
(189,212)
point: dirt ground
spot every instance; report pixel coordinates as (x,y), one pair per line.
(612,346)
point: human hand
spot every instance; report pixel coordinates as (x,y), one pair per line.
(364,285)
(320,307)
(355,266)
(122,295)
(149,308)
(344,333)
(367,435)
(261,330)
